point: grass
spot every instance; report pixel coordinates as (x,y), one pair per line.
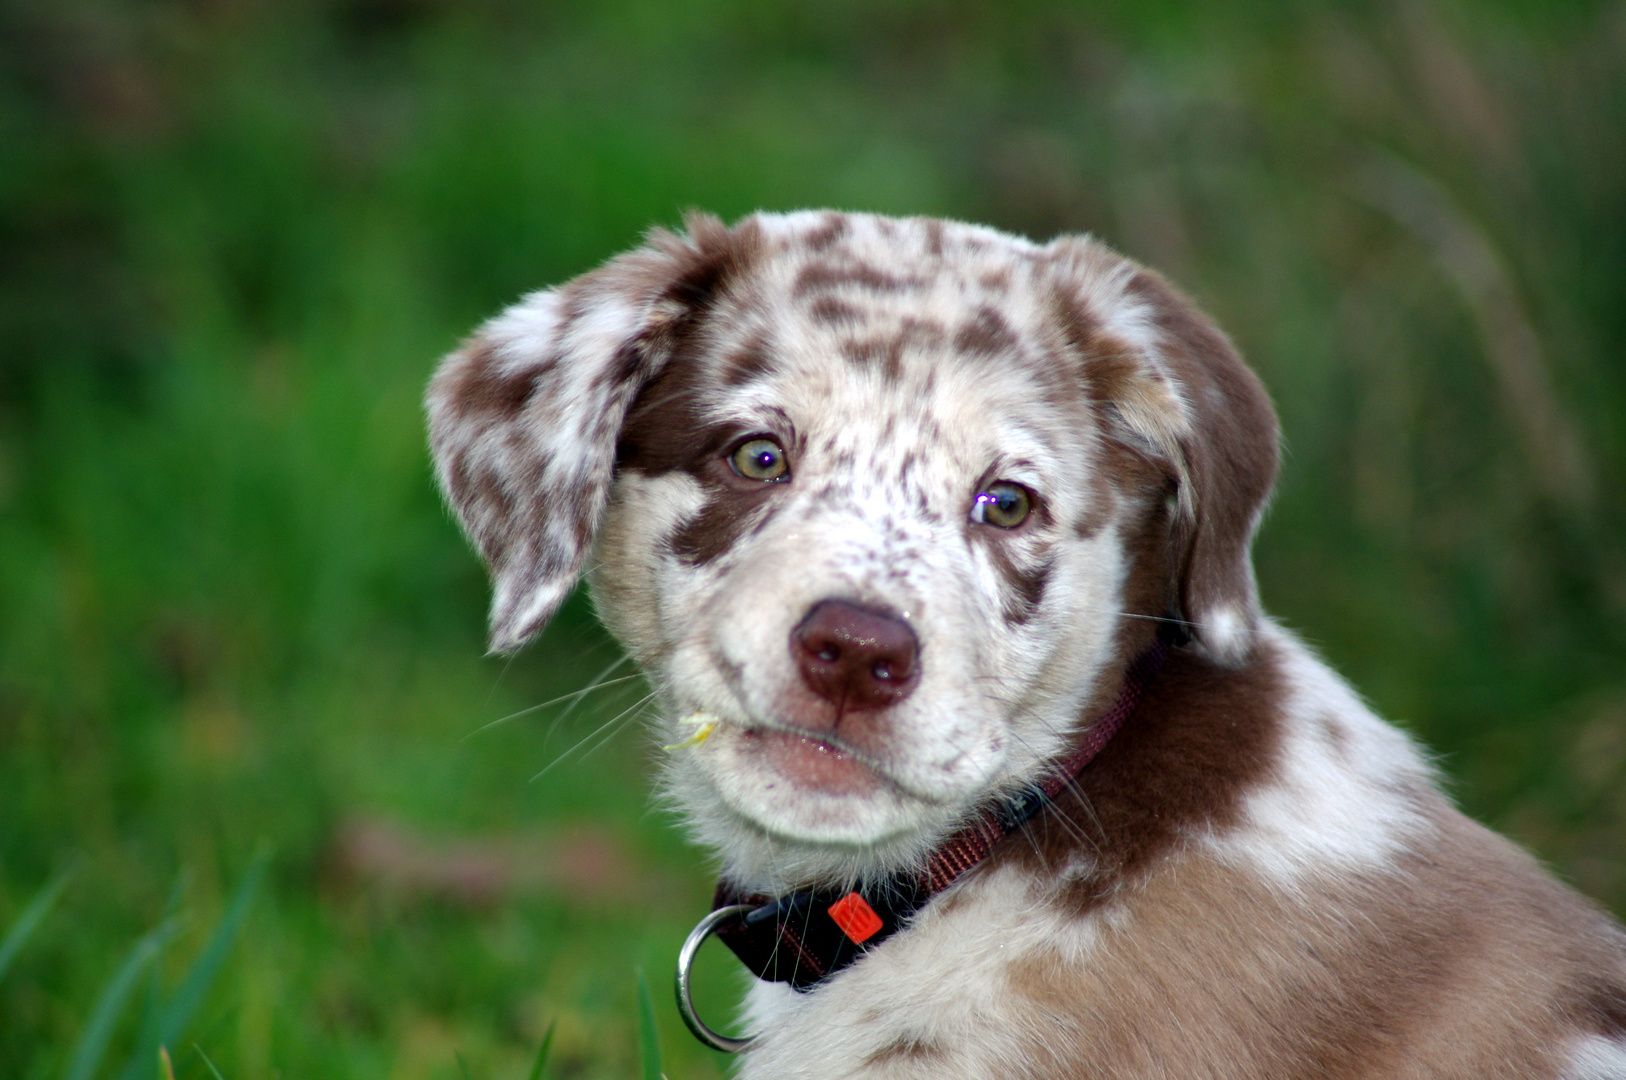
(233,239)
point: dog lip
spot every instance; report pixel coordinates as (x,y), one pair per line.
(813,762)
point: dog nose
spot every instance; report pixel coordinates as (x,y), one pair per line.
(855,657)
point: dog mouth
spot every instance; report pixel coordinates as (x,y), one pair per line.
(810,762)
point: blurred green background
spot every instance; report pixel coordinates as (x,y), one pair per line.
(236,234)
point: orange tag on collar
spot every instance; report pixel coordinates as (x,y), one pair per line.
(855,917)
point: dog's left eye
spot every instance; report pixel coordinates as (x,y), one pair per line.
(760,459)
(1004,504)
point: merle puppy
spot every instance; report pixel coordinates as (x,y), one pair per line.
(934,544)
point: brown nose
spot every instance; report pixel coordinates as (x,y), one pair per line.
(854,657)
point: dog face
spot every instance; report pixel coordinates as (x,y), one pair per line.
(884,500)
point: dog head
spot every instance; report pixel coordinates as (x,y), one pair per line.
(892,502)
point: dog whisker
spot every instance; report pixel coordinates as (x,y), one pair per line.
(573,697)
(590,736)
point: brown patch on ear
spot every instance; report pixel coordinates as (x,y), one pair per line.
(1230,461)
(1186,397)
(524,419)
(480,384)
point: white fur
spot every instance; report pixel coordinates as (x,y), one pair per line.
(1345,790)
(1597,1058)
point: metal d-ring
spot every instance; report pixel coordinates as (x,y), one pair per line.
(685,1003)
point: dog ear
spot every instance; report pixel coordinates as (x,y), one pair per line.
(523,419)
(1178,388)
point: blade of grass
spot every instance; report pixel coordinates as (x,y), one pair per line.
(166,1070)
(177,1013)
(92,1043)
(214,1072)
(26,923)
(152,1012)
(647,1039)
(462,1066)
(542,1054)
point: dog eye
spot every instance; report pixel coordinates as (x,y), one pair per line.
(760,459)
(1004,504)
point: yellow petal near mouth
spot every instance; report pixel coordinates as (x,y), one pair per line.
(708,724)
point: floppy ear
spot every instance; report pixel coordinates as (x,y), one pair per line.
(523,419)
(1180,389)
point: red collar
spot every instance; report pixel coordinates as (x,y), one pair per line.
(807,936)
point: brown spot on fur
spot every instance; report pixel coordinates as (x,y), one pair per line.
(1098,511)
(1335,734)
(987,334)
(752,360)
(821,276)
(829,310)
(832,227)
(884,352)
(721,522)
(934,238)
(712,257)
(663,433)
(1200,738)
(996,281)
(914,1049)
(1601,1006)
(1024,586)
(480,385)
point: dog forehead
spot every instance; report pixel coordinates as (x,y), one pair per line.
(895,327)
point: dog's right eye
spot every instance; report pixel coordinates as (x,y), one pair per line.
(760,459)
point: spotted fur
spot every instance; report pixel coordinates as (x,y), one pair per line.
(1256,878)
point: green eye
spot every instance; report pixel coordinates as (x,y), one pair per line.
(1004,504)
(760,459)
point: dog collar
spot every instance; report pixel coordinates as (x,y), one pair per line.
(804,937)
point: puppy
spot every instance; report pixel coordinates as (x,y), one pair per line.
(934,544)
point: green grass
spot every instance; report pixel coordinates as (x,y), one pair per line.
(234,239)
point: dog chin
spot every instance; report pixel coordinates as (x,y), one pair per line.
(807,791)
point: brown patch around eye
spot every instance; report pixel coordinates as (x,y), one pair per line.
(664,434)
(721,522)
(1024,587)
